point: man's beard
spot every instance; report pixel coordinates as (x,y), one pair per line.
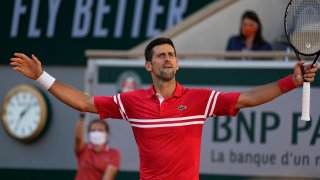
(166,75)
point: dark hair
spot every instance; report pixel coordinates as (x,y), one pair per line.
(158,41)
(104,123)
(254,17)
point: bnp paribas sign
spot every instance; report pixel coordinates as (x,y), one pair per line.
(59,31)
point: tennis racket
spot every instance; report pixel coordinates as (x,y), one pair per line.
(302,29)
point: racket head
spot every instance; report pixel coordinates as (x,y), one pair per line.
(302,26)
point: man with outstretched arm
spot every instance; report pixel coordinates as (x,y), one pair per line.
(166,119)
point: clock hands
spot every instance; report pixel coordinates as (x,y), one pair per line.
(24,111)
(30,105)
(22,114)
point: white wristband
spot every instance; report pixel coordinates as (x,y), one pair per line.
(45,80)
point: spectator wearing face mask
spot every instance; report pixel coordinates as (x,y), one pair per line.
(96,159)
(250,36)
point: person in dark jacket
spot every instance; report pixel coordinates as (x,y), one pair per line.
(250,37)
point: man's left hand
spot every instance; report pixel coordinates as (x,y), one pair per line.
(309,73)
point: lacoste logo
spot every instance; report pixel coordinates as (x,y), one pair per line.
(182,108)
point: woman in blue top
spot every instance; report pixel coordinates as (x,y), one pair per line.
(250,36)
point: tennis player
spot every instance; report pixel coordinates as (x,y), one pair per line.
(167,119)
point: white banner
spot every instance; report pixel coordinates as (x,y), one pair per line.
(268,140)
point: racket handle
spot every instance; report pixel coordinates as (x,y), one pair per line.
(306,102)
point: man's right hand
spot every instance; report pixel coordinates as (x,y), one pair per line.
(67,94)
(31,68)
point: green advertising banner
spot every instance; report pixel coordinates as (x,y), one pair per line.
(59,31)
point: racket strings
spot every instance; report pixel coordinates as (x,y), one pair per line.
(303,25)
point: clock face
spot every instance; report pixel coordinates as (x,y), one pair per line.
(24,113)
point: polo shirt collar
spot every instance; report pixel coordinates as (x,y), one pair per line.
(177,92)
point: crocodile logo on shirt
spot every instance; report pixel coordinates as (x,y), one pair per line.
(182,108)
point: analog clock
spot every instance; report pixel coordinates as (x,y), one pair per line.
(25,112)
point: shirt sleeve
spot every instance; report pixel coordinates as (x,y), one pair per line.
(80,152)
(234,44)
(228,48)
(225,104)
(108,107)
(267,47)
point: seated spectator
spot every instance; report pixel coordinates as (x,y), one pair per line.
(96,159)
(250,36)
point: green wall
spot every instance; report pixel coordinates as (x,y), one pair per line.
(200,76)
